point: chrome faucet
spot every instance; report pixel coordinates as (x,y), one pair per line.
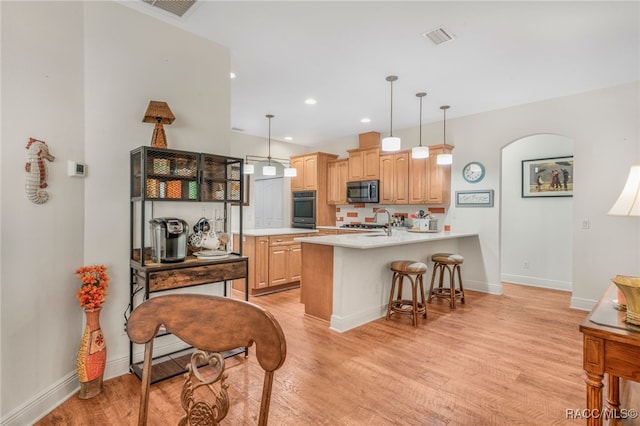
(375,218)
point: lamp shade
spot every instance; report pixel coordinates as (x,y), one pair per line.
(391,143)
(420,152)
(628,203)
(158,112)
(269,170)
(290,172)
(444,159)
(248,169)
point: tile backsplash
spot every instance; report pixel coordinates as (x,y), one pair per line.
(363,213)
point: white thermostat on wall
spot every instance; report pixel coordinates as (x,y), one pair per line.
(76,169)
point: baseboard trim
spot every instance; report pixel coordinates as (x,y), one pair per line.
(537,282)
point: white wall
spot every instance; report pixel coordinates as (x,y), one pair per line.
(42,245)
(74,78)
(537,231)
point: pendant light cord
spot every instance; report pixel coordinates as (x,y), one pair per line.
(391,115)
(421,120)
(269,116)
(391,79)
(444,109)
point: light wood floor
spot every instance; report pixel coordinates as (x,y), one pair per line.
(512,359)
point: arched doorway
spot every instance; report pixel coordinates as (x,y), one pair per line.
(536,232)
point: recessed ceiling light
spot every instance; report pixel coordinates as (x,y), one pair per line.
(232,75)
(365,120)
(288,138)
(310,101)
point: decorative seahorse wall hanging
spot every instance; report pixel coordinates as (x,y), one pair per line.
(37,171)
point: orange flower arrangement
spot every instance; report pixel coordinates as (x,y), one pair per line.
(94,286)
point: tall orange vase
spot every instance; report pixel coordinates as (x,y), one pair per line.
(92,356)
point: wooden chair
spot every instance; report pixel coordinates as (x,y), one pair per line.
(212,325)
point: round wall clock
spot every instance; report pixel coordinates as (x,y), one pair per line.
(473,172)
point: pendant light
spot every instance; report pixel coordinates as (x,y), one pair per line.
(391,143)
(420,151)
(248,169)
(444,159)
(269,170)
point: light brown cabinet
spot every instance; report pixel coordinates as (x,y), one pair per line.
(275,263)
(284,260)
(311,170)
(438,176)
(364,164)
(394,178)
(430,183)
(312,176)
(337,175)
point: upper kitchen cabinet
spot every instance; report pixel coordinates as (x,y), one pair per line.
(438,176)
(394,178)
(364,164)
(337,175)
(430,183)
(311,171)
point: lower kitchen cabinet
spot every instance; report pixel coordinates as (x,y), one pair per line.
(275,263)
(284,264)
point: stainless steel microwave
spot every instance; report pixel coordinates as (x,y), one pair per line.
(365,191)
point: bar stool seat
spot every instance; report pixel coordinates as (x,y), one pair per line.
(449,262)
(414,272)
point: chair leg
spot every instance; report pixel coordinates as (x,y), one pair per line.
(414,299)
(452,287)
(145,383)
(460,283)
(421,278)
(436,268)
(393,287)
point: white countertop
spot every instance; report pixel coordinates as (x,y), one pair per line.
(380,239)
(276,231)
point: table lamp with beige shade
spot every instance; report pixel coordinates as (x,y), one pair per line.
(628,204)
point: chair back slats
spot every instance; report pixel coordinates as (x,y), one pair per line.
(212,324)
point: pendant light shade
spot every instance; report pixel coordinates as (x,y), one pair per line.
(248,169)
(391,143)
(420,151)
(269,170)
(290,172)
(444,159)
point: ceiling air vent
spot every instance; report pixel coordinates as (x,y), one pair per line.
(439,35)
(176,7)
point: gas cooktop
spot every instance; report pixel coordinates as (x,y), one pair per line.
(363,226)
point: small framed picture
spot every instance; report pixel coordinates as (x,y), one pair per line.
(547,177)
(477,198)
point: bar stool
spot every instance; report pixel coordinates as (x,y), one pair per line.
(451,263)
(413,307)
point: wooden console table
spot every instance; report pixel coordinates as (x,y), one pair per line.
(158,277)
(611,346)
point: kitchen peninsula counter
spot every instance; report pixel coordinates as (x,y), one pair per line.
(346,278)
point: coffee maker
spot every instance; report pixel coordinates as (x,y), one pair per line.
(168,239)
